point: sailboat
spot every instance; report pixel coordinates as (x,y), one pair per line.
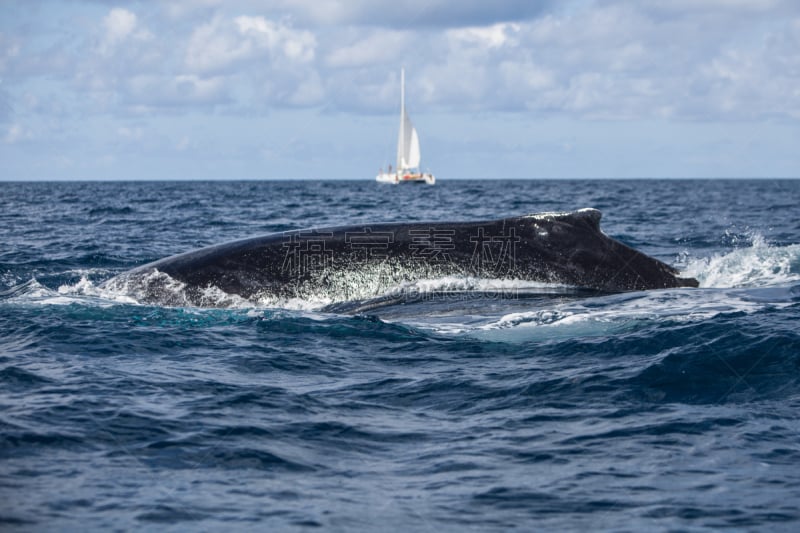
(408,157)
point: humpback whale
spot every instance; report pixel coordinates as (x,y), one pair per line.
(365,260)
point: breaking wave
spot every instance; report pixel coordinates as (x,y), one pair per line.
(758,265)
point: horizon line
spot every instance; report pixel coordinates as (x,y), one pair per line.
(372,180)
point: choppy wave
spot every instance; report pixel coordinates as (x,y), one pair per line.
(619,313)
(757,265)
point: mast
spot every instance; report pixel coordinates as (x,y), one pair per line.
(401,148)
(402,91)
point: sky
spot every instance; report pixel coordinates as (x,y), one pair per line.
(273,89)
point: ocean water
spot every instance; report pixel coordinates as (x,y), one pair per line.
(482,404)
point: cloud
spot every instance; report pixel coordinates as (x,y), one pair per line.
(278,37)
(224,43)
(121,25)
(600,59)
(216,46)
(493,36)
(421,13)
(125,67)
(399,14)
(618,61)
(175,91)
(738,6)
(603,59)
(370,48)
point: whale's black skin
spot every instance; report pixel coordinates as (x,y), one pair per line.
(365,260)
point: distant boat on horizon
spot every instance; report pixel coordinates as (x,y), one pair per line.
(408,154)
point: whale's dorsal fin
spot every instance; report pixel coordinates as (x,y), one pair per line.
(590,215)
(587,216)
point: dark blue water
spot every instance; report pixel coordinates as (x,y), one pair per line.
(473,404)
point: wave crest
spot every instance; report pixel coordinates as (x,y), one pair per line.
(759,265)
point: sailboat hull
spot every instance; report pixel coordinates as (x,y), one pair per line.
(406,177)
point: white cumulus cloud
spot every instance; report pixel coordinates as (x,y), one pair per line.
(121,25)
(493,36)
(225,43)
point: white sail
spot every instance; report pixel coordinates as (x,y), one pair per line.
(413,149)
(408,155)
